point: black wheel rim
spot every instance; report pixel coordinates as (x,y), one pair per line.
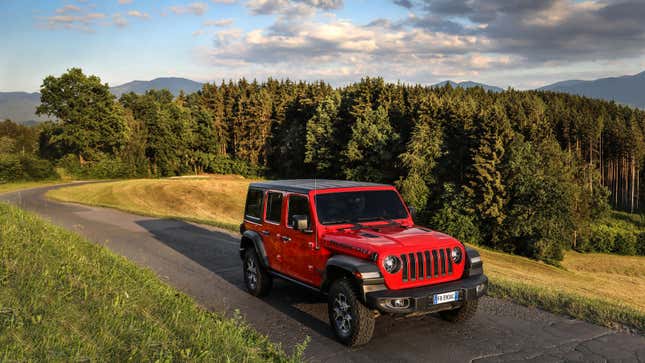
(251,273)
(342,314)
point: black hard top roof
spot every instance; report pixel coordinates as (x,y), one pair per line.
(306,185)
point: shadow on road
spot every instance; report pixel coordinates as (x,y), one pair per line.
(219,252)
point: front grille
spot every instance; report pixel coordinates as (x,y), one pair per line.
(426,264)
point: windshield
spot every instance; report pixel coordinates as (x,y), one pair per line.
(363,206)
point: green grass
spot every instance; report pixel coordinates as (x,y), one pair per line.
(579,288)
(65,299)
(15,186)
(216,200)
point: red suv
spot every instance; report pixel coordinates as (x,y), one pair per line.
(357,243)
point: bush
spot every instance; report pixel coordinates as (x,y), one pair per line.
(225,165)
(608,239)
(602,239)
(105,167)
(640,244)
(10,168)
(35,168)
(625,243)
(14,167)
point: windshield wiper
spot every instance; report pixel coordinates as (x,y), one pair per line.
(347,221)
(382,218)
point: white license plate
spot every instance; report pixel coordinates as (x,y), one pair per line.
(446,297)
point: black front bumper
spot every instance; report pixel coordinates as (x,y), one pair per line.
(421,299)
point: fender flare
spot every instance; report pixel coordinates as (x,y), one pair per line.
(352,266)
(474,265)
(253,238)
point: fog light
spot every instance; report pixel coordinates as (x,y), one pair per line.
(399,303)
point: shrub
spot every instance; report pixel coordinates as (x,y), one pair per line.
(10,168)
(640,244)
(225,165)
(14,167)
(35,168)
(602,239)
(625,243)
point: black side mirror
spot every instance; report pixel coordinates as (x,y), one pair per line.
(300,222)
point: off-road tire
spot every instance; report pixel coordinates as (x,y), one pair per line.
(361,327)
(464,313)
(263,281)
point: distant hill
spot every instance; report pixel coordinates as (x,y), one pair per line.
(20,107)
(469,84)
(628,90)
(173,84)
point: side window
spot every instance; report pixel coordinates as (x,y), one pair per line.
(253,209)
(298,205)
(274,207)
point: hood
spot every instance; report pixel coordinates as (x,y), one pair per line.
(424,254)
(389,238)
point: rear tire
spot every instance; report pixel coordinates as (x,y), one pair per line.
(256,277)
(464,313)
(351,320)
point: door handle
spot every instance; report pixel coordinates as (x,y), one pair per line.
(266,233)
(285,239)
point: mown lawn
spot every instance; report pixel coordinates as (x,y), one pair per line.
(216,200)
(64,299)
(601,288)
(15,186)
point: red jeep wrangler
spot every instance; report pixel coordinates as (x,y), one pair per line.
(357,243)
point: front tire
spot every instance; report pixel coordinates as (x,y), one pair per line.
(465,312)
(352,322)
(256,278)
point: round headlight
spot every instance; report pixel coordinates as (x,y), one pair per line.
(456,254)
(391,264)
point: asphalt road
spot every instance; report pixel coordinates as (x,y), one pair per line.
(203,262)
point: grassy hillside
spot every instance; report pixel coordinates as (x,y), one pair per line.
(12,187)
(216,200)
(65,299)
(582,288)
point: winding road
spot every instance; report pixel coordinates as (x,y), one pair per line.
(203,262)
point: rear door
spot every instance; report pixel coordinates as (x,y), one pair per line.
(272,228)
(299,247)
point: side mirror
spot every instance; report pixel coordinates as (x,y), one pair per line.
(300,222)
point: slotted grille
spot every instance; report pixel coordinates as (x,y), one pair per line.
(426,264)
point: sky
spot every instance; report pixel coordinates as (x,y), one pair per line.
(507,43)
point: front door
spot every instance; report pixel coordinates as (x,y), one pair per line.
(299,247)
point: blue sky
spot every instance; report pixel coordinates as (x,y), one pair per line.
(521,43)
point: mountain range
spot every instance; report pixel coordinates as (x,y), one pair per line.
(628,90)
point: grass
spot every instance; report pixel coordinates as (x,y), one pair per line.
(15,186)
(580,288)
(214,200)
(65,299)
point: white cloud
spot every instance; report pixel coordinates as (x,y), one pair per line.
(339,51)
(224,1)
(138,14)
(67,9)
(218,23)
(123,2)
(198,8)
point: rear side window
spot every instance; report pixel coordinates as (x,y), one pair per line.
(299,205)
(253,209)
(274,207)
